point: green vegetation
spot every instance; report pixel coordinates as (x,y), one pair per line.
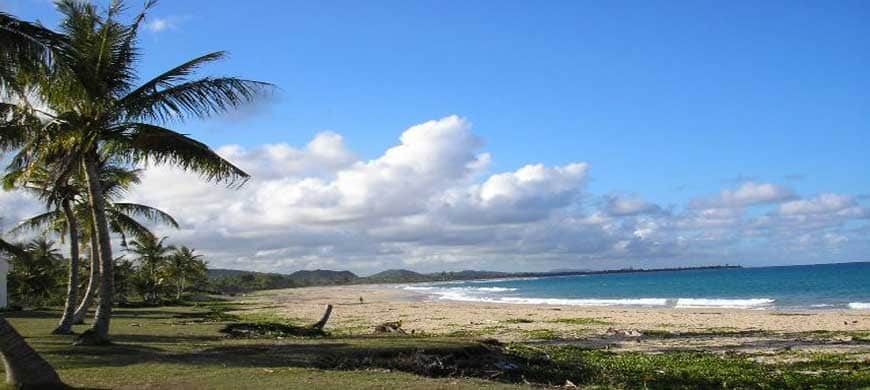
(234,282)
(582,321)
(689,370)
(184,346)
(38,279)
(542,334)
(181,346)
(157,274)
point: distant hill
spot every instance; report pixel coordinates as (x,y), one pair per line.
(322,277)
(234,281)
(397,276)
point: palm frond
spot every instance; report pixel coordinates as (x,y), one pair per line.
(202,98)
(14,249)
(127,226)
(146,143)
(50,220)
(146,212)
(25,45)
(132,102)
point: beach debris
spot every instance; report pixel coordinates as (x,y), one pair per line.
(623,332)
(320,324)
(390,327)
(269,330)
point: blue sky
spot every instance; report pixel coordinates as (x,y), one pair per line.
(669,101)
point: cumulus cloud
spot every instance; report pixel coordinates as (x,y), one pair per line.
(824,204)
(747,194)
(431,202)
(528,194)
(620,206)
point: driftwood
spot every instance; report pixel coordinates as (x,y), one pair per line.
(320,324)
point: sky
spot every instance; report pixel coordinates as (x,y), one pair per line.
(521,135)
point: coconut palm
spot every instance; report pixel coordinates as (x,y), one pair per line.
(36,279)
(59,198)
(115,181)
(24,367)
(95,112)
(184,266)
(152,257)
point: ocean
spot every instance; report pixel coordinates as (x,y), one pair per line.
(805,287)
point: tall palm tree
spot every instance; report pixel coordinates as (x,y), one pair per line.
(185,266)
(115,181)
(24,367)
(59,198)
(95,112)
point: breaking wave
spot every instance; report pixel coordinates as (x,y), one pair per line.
(497,295)
(752,303)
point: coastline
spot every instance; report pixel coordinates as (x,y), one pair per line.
(618,328)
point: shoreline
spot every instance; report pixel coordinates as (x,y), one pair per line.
(445,294)
(650,329)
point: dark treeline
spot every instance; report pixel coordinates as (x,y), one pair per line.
(149,272)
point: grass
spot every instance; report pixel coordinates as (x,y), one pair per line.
(542,334)
(689,370)
(172,347)
(582,321)
(182,346)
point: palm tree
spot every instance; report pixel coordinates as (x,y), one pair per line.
(96,112)
(185,266)
(152,256)
(24,367)
(60,197)
(35,279)
(115,181)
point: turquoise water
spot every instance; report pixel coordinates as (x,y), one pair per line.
(824,286)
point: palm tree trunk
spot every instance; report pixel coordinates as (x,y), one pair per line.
(91,291)
(66,320)
(320,324)
(24,367)
(180,287)
(99,333)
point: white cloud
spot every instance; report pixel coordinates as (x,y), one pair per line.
(430,203)
(823,204)
(621,206)
(747,194)
(165,23)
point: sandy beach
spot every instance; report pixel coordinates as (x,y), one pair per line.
(617,328)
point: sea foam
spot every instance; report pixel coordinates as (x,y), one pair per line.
(752,303)
(859,305)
